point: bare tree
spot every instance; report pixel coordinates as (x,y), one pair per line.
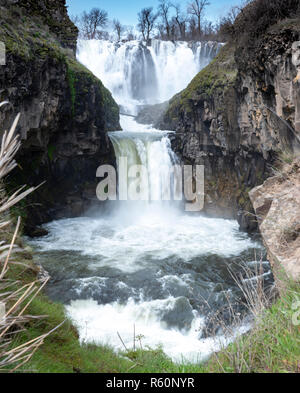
(92,21)
(225,26)
(181,20)
(193,32)
(130,36)
(209,30)
(196,8)
(146,24)
(118,28)
(163,11)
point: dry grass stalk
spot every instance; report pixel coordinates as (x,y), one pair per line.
(257,298)
(16,301)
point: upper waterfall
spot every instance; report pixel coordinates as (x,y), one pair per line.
(139,74)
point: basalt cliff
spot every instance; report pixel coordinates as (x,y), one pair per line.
(238,116)
(65,111)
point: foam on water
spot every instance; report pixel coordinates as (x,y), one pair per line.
(128,247)
(102,323)
(155,232)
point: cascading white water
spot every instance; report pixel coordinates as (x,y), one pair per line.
(139,74)
(150,264)
(149,148)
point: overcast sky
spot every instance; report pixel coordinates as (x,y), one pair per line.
(126,10)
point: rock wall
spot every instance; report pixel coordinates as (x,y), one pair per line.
(277,207)
(236,116)
(65,111)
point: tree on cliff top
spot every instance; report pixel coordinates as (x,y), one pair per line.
(196,9)
(180,19)
(118,28)
(164,11)
(92,22)
(147,19)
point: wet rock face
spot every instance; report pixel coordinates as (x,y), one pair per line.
(149,114)
(180,316)
(234,118)
(65,115)
(277,206)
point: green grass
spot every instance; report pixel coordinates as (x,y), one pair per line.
(273,346)
(214,81)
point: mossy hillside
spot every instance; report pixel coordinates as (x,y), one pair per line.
(211,83)
(28,39)
(81,81)
(53,14)
(31,41)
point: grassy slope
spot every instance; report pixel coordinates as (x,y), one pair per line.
(272,346)
(213,81)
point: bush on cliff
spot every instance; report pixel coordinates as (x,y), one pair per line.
(251,21)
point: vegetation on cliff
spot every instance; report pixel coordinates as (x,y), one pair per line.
(212,81)
(31,41)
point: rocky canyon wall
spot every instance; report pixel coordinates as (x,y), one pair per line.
(65,111)
(238,116)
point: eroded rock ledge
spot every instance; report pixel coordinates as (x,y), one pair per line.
(277,207)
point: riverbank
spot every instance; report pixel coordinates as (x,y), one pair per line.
(272,345)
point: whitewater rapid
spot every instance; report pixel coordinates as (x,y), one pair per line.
(153,273)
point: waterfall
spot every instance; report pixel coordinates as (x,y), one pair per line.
(153,152)
(148,264)
(139,74)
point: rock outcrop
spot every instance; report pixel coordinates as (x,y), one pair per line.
(237,115)
(150,114)
(65,110)
(277,207)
